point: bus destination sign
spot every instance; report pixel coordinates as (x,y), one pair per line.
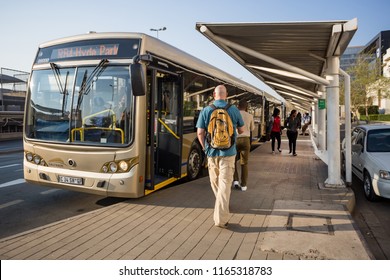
(85,51)
(89,49)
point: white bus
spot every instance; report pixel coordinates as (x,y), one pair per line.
(114,114)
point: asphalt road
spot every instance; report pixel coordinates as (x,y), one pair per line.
(25,206)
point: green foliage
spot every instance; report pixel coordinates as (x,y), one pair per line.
(366,83)
(376,117)
(372,110)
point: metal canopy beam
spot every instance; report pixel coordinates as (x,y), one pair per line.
(310,49)
(263,57)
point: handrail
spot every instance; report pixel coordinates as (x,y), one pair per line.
(168,128)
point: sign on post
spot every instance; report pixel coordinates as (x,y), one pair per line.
(321,104)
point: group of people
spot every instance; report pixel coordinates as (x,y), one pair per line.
(293,123)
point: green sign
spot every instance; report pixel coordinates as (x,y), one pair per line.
(321,104)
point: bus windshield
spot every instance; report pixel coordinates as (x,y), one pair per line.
(84,105)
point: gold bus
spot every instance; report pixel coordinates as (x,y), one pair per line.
(114,114)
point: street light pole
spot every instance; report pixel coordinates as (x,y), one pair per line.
(157,30)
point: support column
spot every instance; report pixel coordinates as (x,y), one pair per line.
(314,112)
(322,123)
(333,122)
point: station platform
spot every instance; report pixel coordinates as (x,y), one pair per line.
(285,214)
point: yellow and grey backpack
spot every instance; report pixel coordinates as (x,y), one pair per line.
(220,133)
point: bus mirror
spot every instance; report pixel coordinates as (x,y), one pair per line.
(137,79)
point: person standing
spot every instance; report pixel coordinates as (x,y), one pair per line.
(220,162)
(276,130)
(306,122)
(243,146)
(293,124)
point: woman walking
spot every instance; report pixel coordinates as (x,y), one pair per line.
(293,124)
(276,130)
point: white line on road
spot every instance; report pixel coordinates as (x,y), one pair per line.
(49,191)
(10,203)
(5,166)
(11,183)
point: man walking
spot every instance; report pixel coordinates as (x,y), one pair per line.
(244,146)
(220,162)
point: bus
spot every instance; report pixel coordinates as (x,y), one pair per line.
(114,114)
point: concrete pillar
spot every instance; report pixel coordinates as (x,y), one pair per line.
(322,123)
(314,113)
(333,124)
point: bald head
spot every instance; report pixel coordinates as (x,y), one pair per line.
(220,92)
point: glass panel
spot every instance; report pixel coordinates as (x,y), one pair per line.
(378,140)
(102,106)
(198,93)
(49,108)
(97,106)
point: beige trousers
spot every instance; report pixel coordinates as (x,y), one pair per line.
(221,170)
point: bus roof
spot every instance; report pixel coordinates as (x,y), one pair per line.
(155,46)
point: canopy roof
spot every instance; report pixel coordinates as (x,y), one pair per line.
(268,50)
(6,79)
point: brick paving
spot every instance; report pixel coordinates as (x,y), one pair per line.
(176,223)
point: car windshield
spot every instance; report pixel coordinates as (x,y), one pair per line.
(80,105)
(378,140)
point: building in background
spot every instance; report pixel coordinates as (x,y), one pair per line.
(376,49)
(349,57)
(13,86)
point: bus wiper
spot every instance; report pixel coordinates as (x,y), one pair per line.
(57,76)
(61,88)
(87,83)
(64,94)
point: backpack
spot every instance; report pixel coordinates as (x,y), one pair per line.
(220,133)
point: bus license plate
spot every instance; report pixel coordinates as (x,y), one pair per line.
(70,180)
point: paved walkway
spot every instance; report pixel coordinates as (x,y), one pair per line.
(284,214)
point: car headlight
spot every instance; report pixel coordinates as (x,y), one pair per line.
(384,174)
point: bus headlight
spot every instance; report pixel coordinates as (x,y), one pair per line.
(29,156)
(37,159)
(113,167)
(123,165)
(119,166)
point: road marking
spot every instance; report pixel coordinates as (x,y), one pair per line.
(10,203)
(11,183)
(5,166)
(49,191)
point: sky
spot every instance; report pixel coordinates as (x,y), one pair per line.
(27,23)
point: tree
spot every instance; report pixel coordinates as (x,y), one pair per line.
(367,82)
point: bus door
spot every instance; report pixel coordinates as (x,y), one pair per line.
(166,98)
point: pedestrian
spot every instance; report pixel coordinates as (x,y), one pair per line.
(306,121)
(276,130)
(299,117)
(292,131)
(220,162)
(243,145)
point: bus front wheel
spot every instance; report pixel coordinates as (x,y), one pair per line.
(194,165)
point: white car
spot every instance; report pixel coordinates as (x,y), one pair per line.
(371,159)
